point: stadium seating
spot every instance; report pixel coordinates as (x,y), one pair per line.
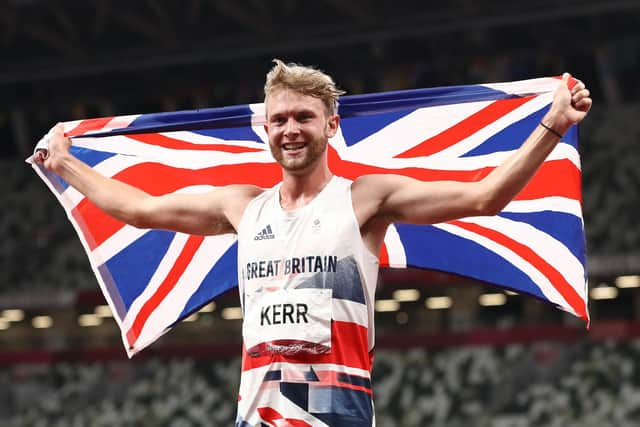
(152,393)
(39,249)
(544,383)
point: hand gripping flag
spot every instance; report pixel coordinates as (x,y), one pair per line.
(154,278)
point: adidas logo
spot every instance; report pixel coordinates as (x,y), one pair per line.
(265,234)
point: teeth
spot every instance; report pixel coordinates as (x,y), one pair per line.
(292,146)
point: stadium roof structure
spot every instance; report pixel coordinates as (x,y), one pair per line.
(43,40)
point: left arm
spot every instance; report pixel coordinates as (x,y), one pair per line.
(382,199)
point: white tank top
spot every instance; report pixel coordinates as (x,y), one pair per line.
(307,284)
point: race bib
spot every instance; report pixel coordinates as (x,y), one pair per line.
(288,322)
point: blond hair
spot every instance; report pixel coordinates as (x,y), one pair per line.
(305,80)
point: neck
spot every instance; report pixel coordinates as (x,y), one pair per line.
(298,189)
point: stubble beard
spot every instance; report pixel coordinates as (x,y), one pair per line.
(312,152)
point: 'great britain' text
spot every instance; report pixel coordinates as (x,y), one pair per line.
(296,265)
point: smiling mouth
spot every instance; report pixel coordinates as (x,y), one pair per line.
(293,146)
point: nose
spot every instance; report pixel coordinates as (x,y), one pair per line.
(292,127)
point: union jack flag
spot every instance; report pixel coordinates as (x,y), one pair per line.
(154,278)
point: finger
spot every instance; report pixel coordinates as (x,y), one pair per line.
(584,93)
(62,132)
(565,78)
(578,87)
(58,129)
(41,156)
(583,105)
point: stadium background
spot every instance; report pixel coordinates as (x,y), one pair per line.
(496,360)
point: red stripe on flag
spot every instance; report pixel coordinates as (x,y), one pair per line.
(383,257)
(572,81)
(554,177)
(157,179)
(465,128)
(99,226)
(554,276)
(186,255)
(347,339)
(89,125)
(178,144)
(87,228)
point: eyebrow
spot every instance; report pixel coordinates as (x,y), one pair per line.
(297,112)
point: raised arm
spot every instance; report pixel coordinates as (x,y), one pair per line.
(383,199)
(216,212)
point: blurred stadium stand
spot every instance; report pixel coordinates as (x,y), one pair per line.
(552,377)
(79,59)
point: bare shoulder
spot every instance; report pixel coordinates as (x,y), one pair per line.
(232,200)
(368,193)
(239,195)
(375,185)
(244,191)
(378,196)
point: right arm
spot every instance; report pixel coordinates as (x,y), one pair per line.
(215,212)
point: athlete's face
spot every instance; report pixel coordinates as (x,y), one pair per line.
(298,128)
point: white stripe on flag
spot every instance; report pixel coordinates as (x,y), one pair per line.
(395,248)
(200,139)
(167,262)
(116,243)
(474,140)
(553,204)
(411,130)
(119,122)
(554,252)
(562,151)
(71,125)
(527,87)
(547,289)
(258,119)
(181,158)
(168,311)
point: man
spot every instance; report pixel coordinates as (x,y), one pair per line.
(307,248)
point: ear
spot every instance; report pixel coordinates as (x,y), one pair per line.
(332,125)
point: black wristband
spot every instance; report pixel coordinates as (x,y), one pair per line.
(552,130)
